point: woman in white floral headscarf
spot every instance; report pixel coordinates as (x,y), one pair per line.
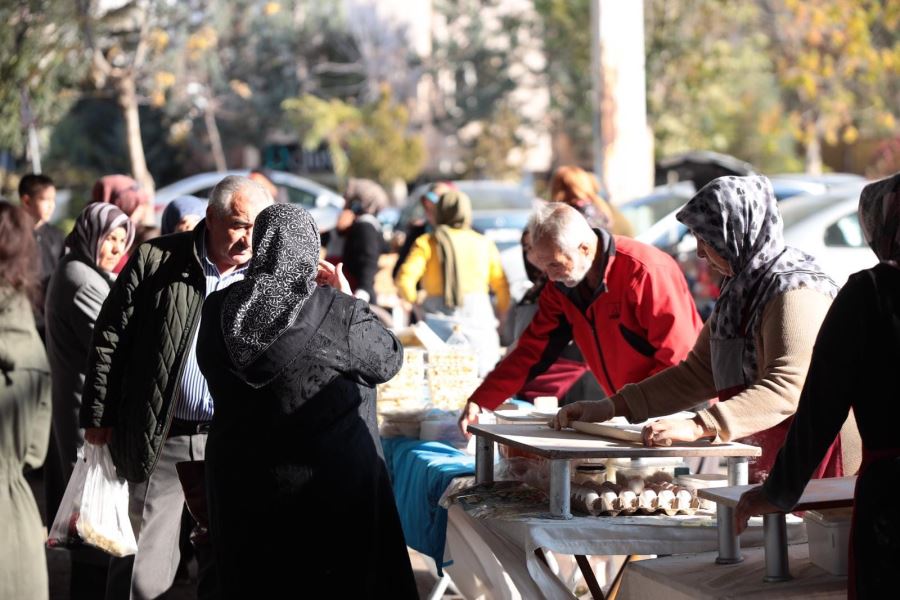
(854,366)
(753,352)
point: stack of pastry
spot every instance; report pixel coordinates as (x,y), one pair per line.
(405,391)
(452,377)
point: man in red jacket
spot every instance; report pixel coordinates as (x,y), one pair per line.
(626,304)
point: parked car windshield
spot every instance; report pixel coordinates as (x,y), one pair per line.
(797,209)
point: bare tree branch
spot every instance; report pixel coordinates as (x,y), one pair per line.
(100,67)
(140,52)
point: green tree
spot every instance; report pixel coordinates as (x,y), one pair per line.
(121,45)
(270,52)
(38,67)
(478,61)
(496,152)
(837,64)
(330,121)
(567,45)
(710,83)
(382,149)
(90,141)
(370,141)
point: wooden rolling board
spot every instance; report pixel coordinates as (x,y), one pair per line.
(623,433)
(835,492)
(552,444)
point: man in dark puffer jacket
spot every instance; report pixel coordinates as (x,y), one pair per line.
(144,394)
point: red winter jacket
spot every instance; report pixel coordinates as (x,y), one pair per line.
(642,319)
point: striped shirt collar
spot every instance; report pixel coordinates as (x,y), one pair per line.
(193,401)
(209,267)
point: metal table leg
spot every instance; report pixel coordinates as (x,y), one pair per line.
(729,543)
(560,488)
(484,460)
(775,532)
(738,470)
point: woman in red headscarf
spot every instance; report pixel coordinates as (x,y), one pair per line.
(127,195)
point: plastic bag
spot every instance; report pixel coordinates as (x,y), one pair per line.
(104,521)
(63,533)
(94,508)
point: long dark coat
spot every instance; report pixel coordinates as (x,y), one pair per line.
(854,365)
(24,432)
(299,496)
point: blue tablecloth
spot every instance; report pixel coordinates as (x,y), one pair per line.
(420,472)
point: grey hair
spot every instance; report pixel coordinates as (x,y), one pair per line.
(560,224)
(221,196)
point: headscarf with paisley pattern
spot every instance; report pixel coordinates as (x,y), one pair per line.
(280,279)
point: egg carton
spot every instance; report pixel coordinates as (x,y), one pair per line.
(611,499)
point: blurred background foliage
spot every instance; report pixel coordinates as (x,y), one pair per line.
(370,141)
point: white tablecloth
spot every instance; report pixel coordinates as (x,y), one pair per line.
(505,543)
(690,578)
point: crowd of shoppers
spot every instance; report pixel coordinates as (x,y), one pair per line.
(228,339)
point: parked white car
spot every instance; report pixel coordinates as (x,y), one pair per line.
(643,212)
(827,227)
(323,204)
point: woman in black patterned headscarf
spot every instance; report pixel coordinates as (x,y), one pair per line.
(294,469)
(752,354)
(854,366)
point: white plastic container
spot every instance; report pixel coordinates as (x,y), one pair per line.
(702,481)
(828,533)
(546,404)
(442,430)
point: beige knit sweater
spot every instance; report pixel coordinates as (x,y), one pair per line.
(790,324)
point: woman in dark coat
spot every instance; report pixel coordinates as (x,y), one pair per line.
(101,237)
(299,496)
(24,410)
(364,241)
(854,365)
